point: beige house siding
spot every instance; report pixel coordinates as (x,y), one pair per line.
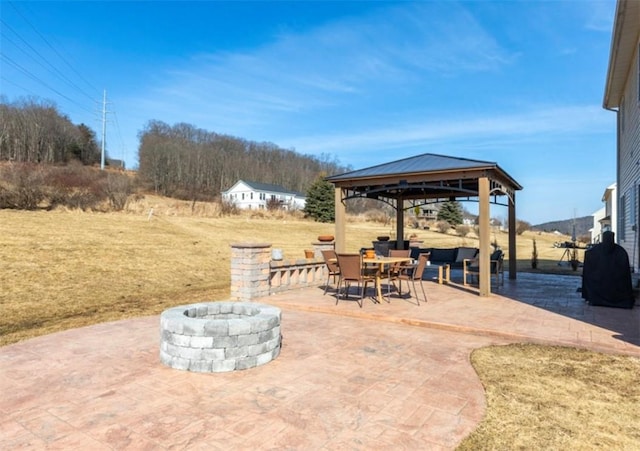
(629,164)
(622,95)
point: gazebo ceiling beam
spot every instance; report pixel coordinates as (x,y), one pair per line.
(436,176)
(403,188)
(436,194)
(456,188)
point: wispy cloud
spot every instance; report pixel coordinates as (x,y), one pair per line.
(520,127)
(332,65)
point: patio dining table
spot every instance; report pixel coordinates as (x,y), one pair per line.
(381,262)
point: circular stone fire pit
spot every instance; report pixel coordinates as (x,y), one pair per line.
(215,337)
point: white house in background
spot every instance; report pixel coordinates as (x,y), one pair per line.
(606,219)
(254,195)
(622,95)
(610,219)
(596,230)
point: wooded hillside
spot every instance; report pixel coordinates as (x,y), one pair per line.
(179,160)
(565,227)
(36,132)
(190,163)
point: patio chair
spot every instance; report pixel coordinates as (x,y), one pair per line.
(413,274)
(398,253)
(396,268)
(352,270)
(472,268)
(331,260)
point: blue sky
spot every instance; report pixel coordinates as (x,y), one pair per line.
(519,83)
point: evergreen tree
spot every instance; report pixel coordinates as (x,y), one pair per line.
(320,204)
(451,211)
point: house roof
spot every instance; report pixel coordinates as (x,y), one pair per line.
(607,192)
(257,186)
(426,176)
(626,29)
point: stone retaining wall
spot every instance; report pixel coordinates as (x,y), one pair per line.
(254,274)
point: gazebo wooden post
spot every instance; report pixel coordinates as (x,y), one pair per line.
(400,223)
(340,221)
(484,277)
(512,237)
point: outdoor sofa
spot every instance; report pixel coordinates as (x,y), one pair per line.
(454,256)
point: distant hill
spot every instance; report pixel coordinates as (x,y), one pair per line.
(566,226)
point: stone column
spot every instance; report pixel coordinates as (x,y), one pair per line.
(320,246)
(250,271)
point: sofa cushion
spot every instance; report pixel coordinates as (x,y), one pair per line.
(416,251)
(466,253)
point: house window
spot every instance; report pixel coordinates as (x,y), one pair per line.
(251,195)
(242,196)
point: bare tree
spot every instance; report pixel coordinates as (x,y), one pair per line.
(34,131)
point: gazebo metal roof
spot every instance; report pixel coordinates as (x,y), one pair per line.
(426,176)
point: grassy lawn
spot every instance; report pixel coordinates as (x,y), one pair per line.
(545,397)
(63,270)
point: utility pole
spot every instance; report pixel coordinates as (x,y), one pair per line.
(104,128)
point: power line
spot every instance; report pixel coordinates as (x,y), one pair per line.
(52,47)
(32,53)
(2,77)
(33,77)
(51,68)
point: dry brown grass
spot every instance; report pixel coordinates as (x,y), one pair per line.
(69,269)
(66,269)
(544,397)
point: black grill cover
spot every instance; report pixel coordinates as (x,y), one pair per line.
(606,275)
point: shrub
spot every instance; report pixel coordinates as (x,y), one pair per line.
(21,186)
(74,186)
(118,188)
(273,204)
(228,208)
(522,226)
(463,230)
(377,216)
(443,226)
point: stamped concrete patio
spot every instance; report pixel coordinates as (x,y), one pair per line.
(387,376)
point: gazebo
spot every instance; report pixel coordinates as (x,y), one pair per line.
(430,178)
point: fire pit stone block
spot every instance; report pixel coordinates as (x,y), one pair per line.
(219,336)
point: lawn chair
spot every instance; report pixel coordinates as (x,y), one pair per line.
(396,268)
(331,260)
(352,270)
(413,274)
(472,268)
